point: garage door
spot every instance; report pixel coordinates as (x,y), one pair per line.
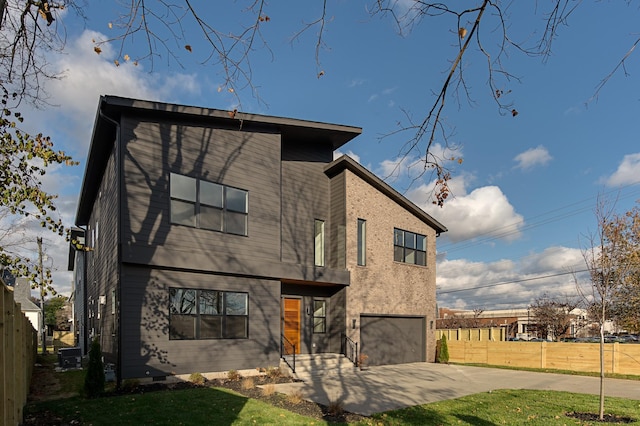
(388,339)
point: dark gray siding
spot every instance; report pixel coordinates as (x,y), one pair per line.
(392,339)
(102,262)
(242,159)
(338,218)
(304,199)
(146,348)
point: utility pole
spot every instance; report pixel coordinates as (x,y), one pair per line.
(44,327)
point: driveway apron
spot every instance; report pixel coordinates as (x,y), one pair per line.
(389,387)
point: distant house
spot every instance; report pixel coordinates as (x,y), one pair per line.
(22,294)
(218,241)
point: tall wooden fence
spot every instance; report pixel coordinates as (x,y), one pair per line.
(18,346)
(621,358)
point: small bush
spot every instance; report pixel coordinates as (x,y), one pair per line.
(268,390)
(94,380)
(443,350)
(247,383)
(197,378)
(130,384)
(273,372)
(335,407)
(233,375)
(295,397)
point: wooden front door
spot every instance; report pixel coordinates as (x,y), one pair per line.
(291,324)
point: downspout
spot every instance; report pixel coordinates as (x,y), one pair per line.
(118,158)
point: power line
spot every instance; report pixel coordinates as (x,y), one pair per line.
(510,282)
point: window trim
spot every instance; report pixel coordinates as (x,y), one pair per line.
(409,247)
(362,242)
(323,318)
(200,206)
(319,242)
(222,307)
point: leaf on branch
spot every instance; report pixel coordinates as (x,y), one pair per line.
(462,32)
(97,50)
(264,18)
(514,112)
(116,62)
(320,74)
(110,25)
(126,58)
(188,47)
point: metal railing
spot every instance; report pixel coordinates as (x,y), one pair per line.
(284,344)
(349,348)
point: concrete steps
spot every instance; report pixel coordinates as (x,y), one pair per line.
(309,366)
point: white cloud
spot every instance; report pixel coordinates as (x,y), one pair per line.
(338,154)
(484,212)
(628,171)
(507,283)
(533,157)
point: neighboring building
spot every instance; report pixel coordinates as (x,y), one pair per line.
(218,241)
(22,295)
(518,323)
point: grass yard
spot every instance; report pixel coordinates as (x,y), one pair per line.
(514,407)
(214,406)
(61,403)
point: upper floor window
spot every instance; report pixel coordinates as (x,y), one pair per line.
(319,242)
(362,242)
(409,247)
(208,205)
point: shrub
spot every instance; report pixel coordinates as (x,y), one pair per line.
(335,407)
(295,397)
(273,372)
(268,390)
(233,375)
(196,378)
(443,351)
(94,380)
(247,383)
(130,384)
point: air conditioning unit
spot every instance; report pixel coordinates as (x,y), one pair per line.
(70,358)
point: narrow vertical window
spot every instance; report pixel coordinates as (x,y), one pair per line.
(319,242)
(362,242)
(319,316)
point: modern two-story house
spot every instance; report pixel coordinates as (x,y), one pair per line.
(218,240)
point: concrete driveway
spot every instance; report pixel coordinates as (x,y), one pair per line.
(389,387)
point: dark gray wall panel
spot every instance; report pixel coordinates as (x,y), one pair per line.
(392,339)
(250,161)
(145,320)
(304,198)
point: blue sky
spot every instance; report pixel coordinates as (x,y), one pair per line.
(523,198)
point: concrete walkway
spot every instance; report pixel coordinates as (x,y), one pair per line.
(389,387)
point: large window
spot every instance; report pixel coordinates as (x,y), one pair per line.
(319,316)
(319,242)
(208,205)
(362,242)
(208,314)
(409,247)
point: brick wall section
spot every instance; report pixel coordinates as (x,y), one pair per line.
(384,286)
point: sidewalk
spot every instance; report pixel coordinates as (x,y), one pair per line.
(389,387)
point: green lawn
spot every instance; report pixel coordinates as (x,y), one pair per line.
(209,406)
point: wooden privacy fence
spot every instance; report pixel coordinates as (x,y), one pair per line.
(491,334)
(621,358)
(18,345)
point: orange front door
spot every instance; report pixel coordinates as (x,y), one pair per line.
(291,321)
